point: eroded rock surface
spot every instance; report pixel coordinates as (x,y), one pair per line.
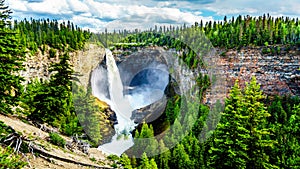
(277,74)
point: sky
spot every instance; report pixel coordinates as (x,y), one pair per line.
(98,15)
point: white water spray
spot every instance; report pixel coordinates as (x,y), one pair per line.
(107,86)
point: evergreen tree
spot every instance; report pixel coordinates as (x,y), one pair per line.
(11,57)
(292,146)
(144,163)
(180,159)
(230,138)
(53,103)
(145,141)
(259,140)
(152,164)
(164,156)
(125,161)
(242,137)
(88,114)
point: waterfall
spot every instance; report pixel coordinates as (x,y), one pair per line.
(147,87)
(119,104)
(107,86)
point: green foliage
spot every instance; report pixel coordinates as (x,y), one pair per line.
(113,157)
(56,139)
(194,42)
(285,124)
(180,158)
(52,53)
(164,156)
(51,101)
(191,48)
(248,135)
(89,114)
(173,108)
(8,159)
(11,58)
(257,114)
(38,33)
(146,163)
(148,145)
(230,139)
(242,136)
(4,130)
(125,161)
(292,150)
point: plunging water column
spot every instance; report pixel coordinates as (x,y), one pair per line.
(109,79)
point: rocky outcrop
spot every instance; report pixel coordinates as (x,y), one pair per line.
(83,61)
(86,60)
(277,74)
(151,112)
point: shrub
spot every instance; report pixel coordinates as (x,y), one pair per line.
(56,139)
(52,53)
(4,130)
(10,160)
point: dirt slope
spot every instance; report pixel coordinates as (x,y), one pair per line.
(42,162)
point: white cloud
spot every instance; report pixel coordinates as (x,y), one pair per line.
(142,16)
(78,6)
(92,24)
(57,7)
(120,14)
(229,7)
(18,5)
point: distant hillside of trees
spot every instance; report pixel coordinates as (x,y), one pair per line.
(35,34)
(229,33)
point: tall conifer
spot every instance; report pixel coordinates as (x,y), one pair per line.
(10,62)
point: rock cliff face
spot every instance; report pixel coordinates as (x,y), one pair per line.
(277,74)
(83,61)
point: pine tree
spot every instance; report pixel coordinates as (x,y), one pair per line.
(144,162)
(53,102)
(229,148)
(259,140)
(278,124)
(180,159)
(88,114)
(293,139)
(145,141)
(125,161)
(164,156)
(11,57)
(193,148)
(152,164)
